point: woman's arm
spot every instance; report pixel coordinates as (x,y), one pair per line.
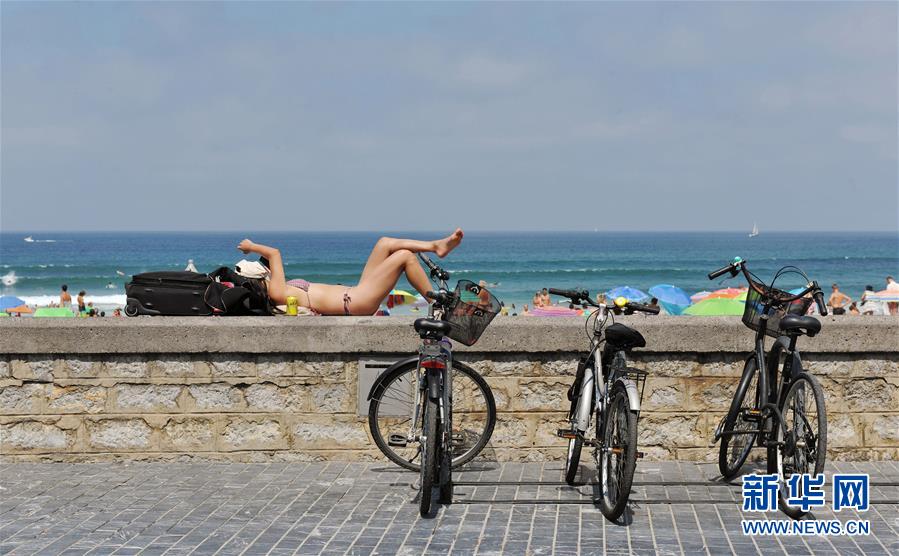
(277,285)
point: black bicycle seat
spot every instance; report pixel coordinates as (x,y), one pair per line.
(623,337)
(800,324)
(432,326)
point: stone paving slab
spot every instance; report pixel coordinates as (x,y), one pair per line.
(356,508)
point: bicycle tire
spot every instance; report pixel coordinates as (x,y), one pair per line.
(618,482)
(429,457)
(777,462)
(575,445)
(395,376)
(730,466)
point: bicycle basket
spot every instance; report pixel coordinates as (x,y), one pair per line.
(755,305)
(471,312)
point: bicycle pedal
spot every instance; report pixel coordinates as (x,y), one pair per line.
(640,455)
(397,440)
(752,415)
(566,433)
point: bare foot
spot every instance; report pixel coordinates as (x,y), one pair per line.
(442,247)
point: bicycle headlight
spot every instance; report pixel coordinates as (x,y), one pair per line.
(620,301)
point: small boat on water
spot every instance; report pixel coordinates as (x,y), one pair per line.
(29,239)
(755,230)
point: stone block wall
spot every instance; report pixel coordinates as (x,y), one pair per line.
(301,406)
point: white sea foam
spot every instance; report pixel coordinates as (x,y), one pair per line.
(9,278)
(99,300)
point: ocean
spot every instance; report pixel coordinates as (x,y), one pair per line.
(516,263)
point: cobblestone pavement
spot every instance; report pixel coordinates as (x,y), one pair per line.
(338,508)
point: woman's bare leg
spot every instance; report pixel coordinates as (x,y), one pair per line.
(371,291)
(386,246)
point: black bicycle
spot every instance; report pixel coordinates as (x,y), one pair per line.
(430,412)
(786,416)
(614,399)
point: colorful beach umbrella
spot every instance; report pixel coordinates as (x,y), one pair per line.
(726,293)
(886,296)
(53,312)
(400,297)
(2,314)
(10,301)
(21,309)
(717,306)
(631,294)
(673,299)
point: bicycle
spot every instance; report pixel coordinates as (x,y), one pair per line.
(411,411)
(778,415)
(614,400)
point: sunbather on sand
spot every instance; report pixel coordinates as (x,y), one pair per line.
(389,259)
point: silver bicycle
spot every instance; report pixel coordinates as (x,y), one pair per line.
(607,389)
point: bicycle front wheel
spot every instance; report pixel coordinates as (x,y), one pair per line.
(738,432)
(392,412)
(429,457)
(619,454)
(803,448)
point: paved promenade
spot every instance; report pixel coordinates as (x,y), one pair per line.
(338,508)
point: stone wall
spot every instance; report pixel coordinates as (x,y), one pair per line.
(281,389)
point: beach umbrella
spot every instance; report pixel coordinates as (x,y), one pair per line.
(672,298)
(401,297)
(699,296)
(20,309)
(2,314)
(631,294)
(716,306)
(10,301)
(886,296)
(727,293)
(53,312)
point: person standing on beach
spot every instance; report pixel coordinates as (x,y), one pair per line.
(837,300)
(65,299)
(81,306)
(544,298)
(537,301)
(869,306)
(892,286)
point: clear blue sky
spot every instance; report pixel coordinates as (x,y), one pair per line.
(302,116)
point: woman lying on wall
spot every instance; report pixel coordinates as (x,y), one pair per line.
(390,258)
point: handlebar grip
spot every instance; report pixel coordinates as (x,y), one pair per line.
(570,294)
(643,308)
(721,271)
(819,300)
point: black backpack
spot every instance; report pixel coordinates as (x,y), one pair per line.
(248,296)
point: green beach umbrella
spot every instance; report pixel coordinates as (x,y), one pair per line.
(719,306)
(53,312)
(4,314)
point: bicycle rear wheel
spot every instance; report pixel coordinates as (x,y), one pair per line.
(393,408)
(429,457)
(735,447)
(619,458)
(804,447)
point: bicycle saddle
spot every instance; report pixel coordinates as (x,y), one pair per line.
(432,326)
(623,337)
(800,324)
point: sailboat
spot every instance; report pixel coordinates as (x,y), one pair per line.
(755,230)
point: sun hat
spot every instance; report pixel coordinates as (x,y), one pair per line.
(251,269)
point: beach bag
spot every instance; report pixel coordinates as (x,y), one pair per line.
(174,293)
(238,295)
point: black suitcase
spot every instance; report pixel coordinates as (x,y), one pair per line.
(178,293)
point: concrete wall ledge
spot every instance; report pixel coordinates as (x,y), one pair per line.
(321,335)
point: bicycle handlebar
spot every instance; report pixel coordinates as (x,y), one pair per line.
(631,306)
(573,295)
(731,268)
(819,300)
(436,271)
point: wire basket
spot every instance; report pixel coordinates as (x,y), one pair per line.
(755,308)
(471,312)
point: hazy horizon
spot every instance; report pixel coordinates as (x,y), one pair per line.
(194,117)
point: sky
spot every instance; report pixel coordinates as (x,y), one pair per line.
(412,116)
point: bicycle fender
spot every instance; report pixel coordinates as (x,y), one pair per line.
(380,380)
(633,396)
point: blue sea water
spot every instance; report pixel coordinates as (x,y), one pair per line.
(518,263)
